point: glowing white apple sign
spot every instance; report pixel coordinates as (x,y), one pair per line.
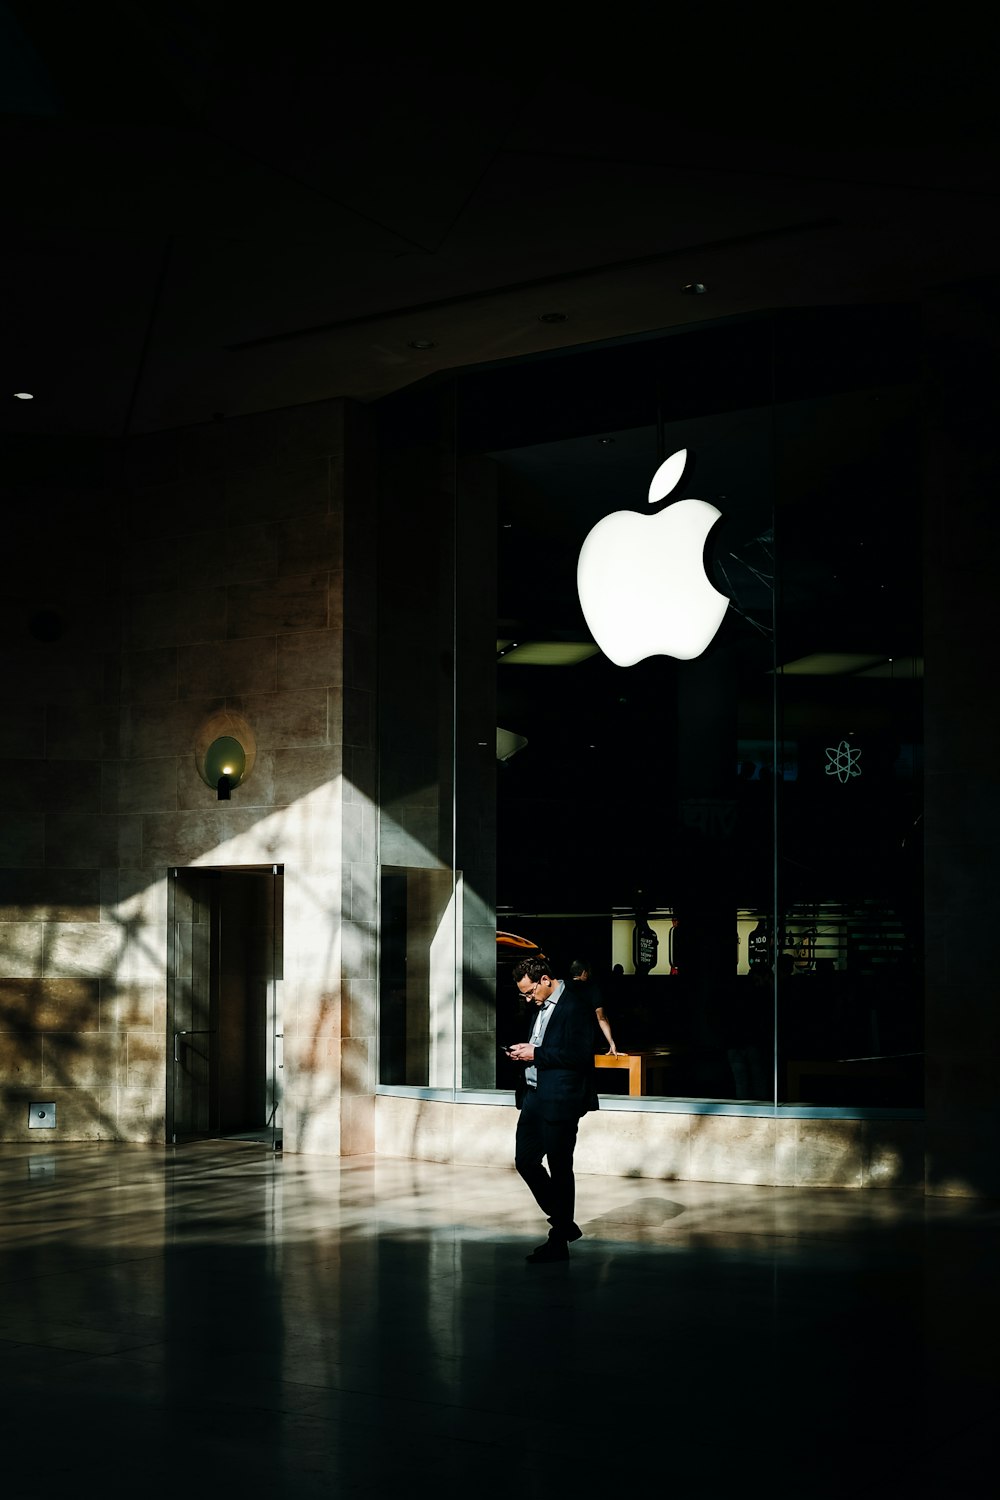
(642,581)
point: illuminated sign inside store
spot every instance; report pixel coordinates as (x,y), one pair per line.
(642,581)
(645,944)
(842,761)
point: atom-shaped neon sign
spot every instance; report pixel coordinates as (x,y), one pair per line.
(842,761)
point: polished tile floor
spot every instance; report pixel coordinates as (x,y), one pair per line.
(216,1320)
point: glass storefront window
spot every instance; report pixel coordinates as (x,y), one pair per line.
(730,842)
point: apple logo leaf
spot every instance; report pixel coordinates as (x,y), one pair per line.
(667,476)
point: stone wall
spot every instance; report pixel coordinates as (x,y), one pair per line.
(204,569)
(67,1015)
(771,1151)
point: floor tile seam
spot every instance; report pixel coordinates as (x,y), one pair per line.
(29,1345)
(46,1278)
(64,1349)
(63,1334)
(63,1338)
(49,1382)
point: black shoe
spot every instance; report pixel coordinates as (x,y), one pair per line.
(550,1251)
(573,1233)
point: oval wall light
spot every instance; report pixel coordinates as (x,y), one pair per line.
(224,752)
(225,763)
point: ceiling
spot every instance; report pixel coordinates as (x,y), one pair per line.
(216,208)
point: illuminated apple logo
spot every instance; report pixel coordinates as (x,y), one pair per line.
(642,581)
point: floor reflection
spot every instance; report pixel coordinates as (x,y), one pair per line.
(217,1314)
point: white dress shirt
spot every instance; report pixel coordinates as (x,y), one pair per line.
(538,1031)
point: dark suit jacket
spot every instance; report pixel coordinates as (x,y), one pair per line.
(565,1060)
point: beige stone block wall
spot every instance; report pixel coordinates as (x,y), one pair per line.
(82,1114)
(758,1150)
(227,589)
(421,1128)
(628,1145)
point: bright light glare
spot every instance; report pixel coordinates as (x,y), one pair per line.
(23,396)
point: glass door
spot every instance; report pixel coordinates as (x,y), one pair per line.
(192,919)
(273,1027)
(224,1031)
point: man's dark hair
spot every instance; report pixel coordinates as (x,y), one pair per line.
(533,968)
(581,966)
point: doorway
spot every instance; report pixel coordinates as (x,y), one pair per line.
(224,1033)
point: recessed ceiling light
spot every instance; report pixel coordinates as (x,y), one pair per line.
(422,344)
(553,317)
(547,653)
(23,396)
(898,668)
(694,288)
(604,442)
(830,664)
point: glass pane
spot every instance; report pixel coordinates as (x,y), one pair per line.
(850,698)
(420,934)
(417,1040)
(727,838)
(635,804)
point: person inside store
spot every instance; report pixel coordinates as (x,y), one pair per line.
(555,1091)
(581,971)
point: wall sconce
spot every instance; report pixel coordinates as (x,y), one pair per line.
(224,752)
(225,764)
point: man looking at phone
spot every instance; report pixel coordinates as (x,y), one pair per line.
(556,1090)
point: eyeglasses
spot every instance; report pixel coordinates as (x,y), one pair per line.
(531,989)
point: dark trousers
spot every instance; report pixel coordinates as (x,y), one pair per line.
(554,1190)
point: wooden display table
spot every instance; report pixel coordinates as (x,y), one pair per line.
(638,1064)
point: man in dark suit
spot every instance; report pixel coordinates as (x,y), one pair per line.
(556,1089)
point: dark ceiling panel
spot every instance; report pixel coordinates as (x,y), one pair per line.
(206,177)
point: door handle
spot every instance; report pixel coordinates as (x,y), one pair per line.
(210,1031)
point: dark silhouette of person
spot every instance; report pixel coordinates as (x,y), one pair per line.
(581,971)
(555,1091)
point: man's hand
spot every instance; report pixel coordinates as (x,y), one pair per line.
(522,1052)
